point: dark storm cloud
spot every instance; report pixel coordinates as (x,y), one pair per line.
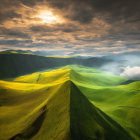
(8,15)
(90,25)
(122,15)
(39,29)
(68,28)
(85,10)
(82,10)
(14,42)
(86,39)
(13,32)
(30,2)
(7,11)
(9,42)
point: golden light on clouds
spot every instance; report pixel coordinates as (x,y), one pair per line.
(68,25)
(49,17)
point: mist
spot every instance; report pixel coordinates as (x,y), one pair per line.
(125,65)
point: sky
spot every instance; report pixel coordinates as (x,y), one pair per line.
(71,27)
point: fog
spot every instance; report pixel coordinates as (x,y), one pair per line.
(124,65)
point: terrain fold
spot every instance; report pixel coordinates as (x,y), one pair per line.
(87,122)
(53,108)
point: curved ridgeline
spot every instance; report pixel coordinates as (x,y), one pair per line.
(12,65)
(71,103)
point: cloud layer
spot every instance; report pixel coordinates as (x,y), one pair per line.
(98,27)
(131,73)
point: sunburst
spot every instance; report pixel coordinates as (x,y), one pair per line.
(49,17)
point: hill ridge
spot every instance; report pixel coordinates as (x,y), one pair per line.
(87,122)
(67,112)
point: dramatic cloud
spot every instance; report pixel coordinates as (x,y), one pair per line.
(86,27)
(131,73)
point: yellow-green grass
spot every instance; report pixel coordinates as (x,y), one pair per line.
(16,52)
(121,102)
(23,103)
(46,105)
(54,76)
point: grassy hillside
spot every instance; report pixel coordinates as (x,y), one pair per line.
(29,109)
(120,102)
(71,103)
(88,122)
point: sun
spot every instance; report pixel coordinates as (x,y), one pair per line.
(49,17)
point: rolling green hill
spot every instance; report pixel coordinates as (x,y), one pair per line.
(120,102)
(70,103)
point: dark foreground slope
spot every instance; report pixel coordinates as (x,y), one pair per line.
(15,64)
(51,109)
(87,122)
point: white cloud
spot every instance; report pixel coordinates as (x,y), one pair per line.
(131,73)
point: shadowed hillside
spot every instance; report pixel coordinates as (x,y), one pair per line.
(89,123)
(15,64)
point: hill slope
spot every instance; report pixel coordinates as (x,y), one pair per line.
(51,106)
(120,102)
(87,122)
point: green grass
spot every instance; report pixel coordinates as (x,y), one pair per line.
(87,122)
(70,103)
(120,102)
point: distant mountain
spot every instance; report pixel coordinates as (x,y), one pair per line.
(41,53)
(16,51)
(129,58)
(13,64)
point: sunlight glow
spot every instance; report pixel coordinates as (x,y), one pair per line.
(49,17)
